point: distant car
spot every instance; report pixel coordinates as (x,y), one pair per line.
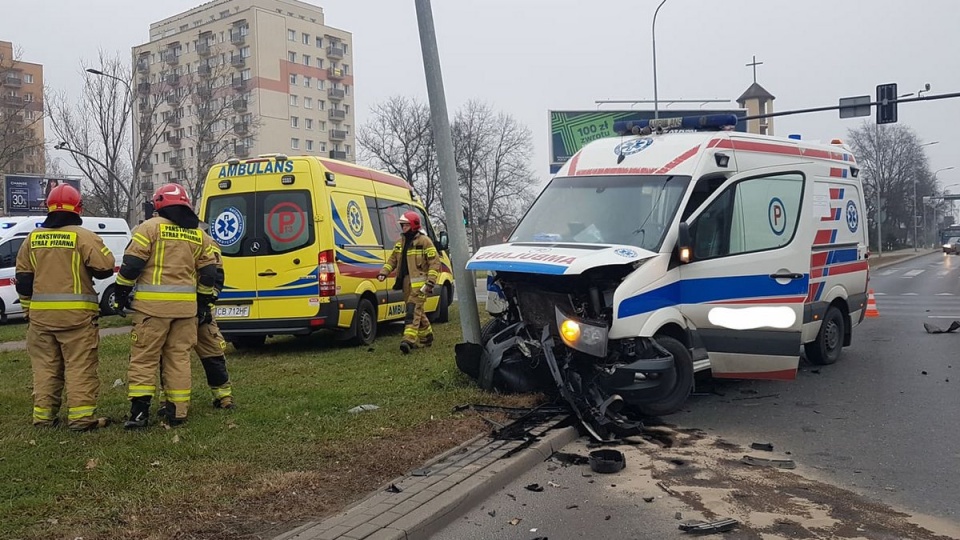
(952,246)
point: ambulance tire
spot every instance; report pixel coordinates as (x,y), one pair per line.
(677,395)
(826,349)
(3,312)
(442,314)
(106,302)
(365,322)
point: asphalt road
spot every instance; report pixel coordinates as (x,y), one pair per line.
(882,422)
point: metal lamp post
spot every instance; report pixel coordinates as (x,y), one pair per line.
(938,171)
(656,101)
(914,212)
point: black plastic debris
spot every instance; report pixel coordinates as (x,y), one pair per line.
(931,329)
(768,462)
(713,527)
(534,487)
(394,489)
(607,461)
(648,499)
(765,446)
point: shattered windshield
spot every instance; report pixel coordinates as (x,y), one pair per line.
(631,210)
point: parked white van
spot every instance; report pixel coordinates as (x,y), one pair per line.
(14,229)
(657,254)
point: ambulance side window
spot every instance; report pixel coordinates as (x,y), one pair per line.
(390,212)
(753,215)
(374,214)
(8,252)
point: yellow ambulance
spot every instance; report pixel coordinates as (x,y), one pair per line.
(303,238)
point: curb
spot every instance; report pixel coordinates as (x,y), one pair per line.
(884,264)
(437,507)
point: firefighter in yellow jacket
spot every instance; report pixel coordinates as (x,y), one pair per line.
(210,343)
(174,276)
(56,265)
(417,273)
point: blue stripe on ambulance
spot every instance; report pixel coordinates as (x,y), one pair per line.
(512,266)
(699,291)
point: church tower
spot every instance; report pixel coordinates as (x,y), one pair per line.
(756,100)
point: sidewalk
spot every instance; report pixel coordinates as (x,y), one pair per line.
(889,258)
(21,345)
(418,504)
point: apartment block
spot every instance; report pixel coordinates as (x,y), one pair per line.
(21,114)
(239,78)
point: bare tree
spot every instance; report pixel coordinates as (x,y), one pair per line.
(891,160)
(398,139)
(20,121)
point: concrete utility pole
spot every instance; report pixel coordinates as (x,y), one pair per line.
(450,190)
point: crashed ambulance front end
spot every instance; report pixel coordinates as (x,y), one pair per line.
(586,244)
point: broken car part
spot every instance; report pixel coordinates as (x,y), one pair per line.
(701,527)
(607,461)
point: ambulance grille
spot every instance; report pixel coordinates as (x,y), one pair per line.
(537,307)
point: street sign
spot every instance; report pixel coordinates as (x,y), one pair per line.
(852,107)
(887,103)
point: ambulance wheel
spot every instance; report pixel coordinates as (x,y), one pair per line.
(829,343)
(106,302)
(678,384)
(491,328)
(442,314)
(3,312)
(248,342)
(365,320)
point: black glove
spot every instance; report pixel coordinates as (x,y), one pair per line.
(204,305)
(121,298)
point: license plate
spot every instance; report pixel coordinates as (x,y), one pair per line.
(227,312)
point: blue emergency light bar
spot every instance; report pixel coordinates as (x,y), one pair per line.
(712,122)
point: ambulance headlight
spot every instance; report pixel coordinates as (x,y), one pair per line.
(581,335)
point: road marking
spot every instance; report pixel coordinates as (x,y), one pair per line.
(880,294)
(914,273)
(943,272)
(909,294)
(889,272)
(943,317)
(945,294)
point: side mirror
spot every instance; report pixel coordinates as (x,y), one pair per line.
(443,240)
(684,243)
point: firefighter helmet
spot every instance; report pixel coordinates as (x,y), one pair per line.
(412,219)
(171,195)
(64,198)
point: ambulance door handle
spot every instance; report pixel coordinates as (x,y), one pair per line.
(268,273)
(787,275)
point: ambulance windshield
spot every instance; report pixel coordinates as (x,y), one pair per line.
(631,210)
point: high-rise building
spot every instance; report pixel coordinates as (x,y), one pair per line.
(239,78)
(21,114)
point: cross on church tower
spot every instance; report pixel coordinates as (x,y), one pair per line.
(754,64)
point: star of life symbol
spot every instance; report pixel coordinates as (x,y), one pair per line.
(852,218)
(632,147)
(355,218)
(228,227)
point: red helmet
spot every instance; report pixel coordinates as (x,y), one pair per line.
(170,195)
(411,218)
(64,198)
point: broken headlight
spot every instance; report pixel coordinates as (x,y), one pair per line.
(582,336)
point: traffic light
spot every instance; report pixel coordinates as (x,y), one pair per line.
(887,103)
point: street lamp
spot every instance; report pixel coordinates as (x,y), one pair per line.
(130,94)
(653,32)
(914,212)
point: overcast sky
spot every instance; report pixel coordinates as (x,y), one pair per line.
(529,56)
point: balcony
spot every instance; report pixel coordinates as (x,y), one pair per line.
(337,114)
(338,135)
(12,81)
(237,38)
(147,168)
(336,94)
(337,154)
(173,121)
(174,141)
(239,84)
(172,99)
(204,91)
(143,88)
(241,128)
(146,185)
(12,100)
(335,73)
(203,49)
(170,57)
(146,125)
(240,105)
(173,79)
(15,117)
(241,150)
(143,67)
(205,135)
(335,52)
(176,162)
(143,106)
(204,70)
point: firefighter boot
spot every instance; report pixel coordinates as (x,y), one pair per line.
(225,402)
(169,414)
(139,413)
(406,347)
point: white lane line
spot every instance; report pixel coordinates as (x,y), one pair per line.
(889,272)
(945,294)
(943,272)
(880,294)
(914,273)
(909,294)
(943,317)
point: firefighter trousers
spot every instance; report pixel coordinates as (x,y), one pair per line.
(416,329)
(61,358)
(210,348)
(154,338)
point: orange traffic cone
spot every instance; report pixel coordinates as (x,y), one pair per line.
(872,310)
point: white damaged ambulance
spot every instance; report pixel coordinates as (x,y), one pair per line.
(681,246)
